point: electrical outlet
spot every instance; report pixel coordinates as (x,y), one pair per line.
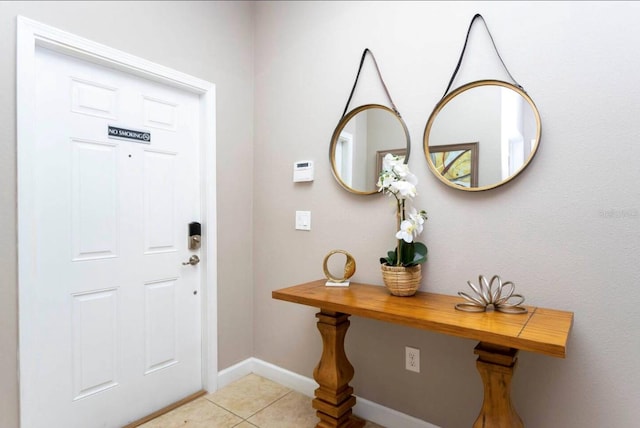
(412,359)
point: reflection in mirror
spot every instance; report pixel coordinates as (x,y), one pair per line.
(482,135)
(361,139)
(458,163)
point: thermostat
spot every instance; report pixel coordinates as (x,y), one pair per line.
(303,171)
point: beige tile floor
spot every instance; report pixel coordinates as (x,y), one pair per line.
(250,402)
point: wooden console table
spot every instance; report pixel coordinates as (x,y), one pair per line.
(500,337)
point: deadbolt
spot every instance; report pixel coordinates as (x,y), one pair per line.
(194,235)
(193,260)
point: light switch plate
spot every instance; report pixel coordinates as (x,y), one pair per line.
(303,220)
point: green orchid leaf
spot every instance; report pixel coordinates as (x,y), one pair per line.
(413,253)
(391,257)
(420,253)
(408,252)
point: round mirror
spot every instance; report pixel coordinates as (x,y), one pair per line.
(482,135)
(361,139)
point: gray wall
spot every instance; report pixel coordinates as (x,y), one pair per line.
(212,41)
(567,231)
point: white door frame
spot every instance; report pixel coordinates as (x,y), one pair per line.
(31,34)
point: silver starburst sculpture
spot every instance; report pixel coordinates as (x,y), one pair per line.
(492,296)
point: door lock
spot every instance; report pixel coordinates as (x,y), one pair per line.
(193,260)
(194,236)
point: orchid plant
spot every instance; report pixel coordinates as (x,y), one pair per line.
(396,180)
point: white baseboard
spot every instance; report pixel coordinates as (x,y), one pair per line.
(365,409)
(301,384)
(235,372)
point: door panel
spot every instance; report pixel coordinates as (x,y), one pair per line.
(94,342)
(160,325)
(94,203)
(159,201)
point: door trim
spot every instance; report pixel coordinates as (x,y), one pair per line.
(32,34)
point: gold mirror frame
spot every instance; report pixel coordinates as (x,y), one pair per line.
(379,153)
(453,95)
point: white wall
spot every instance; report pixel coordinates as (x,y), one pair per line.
(567,231)
(209,40)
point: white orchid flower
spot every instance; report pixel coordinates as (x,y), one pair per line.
(411,228)
(389,162)
(404,188)
(417,218)
(385,180)
(401,169)
(411,178)
(407,231)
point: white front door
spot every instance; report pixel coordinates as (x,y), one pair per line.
(113,329)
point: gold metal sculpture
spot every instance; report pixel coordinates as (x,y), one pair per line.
(349,269)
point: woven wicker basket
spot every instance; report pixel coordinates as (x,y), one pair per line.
(400,280)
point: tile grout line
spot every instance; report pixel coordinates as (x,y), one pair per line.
(227,410)
(289,391)
(270,404)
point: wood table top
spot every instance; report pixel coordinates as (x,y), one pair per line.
(540,330)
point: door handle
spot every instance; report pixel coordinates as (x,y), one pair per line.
(193,260)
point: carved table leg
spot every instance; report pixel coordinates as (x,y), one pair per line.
(333,400)
(496,365)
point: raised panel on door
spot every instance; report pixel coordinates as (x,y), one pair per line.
(94,200)
(160,114)
(159,201)
(94,342)
(94,98)
(160,325)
